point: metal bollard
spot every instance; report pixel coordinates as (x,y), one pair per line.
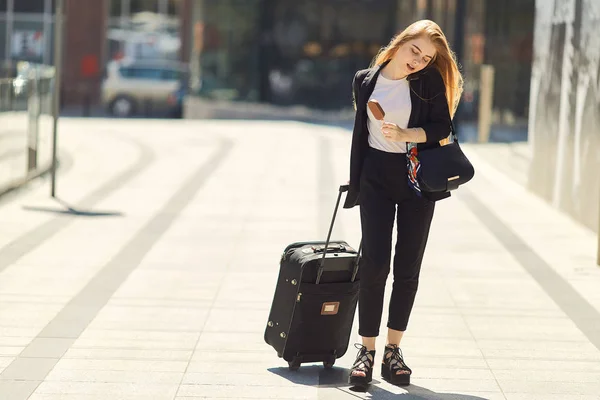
(486,100)
(33,112)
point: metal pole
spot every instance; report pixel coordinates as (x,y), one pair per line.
(58,38)
(486,100)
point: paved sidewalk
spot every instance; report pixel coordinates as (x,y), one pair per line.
(152,276)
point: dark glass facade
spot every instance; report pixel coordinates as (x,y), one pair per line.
(143,30)
(230,54)
(26,29)
(305,53)
(508,33)
(311,49)
(289,53)
(29,6)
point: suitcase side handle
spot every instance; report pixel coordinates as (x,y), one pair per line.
(342,189)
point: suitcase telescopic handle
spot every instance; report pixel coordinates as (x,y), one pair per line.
(343,188)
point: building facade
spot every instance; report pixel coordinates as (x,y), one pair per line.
(26,30)
(564,126)
(305,53)
(95,32)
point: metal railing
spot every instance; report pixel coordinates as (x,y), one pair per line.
(25,123)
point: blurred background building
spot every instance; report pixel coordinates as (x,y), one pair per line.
(531,67)
(132,56)
(129,46)
(305,53)
(564,126)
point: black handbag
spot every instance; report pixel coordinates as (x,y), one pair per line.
(444,168)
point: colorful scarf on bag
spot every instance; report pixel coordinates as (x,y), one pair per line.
(413,166)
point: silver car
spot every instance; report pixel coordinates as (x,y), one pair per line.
(136,87)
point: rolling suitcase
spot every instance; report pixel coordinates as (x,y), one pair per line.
(315,300)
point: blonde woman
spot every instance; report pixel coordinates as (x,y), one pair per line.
(416,81)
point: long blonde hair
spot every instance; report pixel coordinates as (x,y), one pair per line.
(444,60)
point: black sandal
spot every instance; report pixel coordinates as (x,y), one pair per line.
(364,363)
(392,364)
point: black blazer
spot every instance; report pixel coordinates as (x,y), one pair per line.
(429,111)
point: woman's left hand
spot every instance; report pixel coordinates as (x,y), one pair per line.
(394,133)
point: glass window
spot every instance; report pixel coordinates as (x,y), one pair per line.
(29,6)
(171,75)
(318,46)
(450,26)
(229,34)
(443,14)
(138,6)
(303,52)
(116,6)
(406,13)
(472,57)
(421,9)
(3,55)
(508,48)
(142,73)
(3,5)
(27,41)
(173,7)
(50,44)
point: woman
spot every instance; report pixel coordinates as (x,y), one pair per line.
(417,82)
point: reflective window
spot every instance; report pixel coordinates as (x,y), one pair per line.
(115,8)
(170,75)
(509,44)
(27,41)
(443,13)
(29,6)
(228,36)
(141,73)
(173,7)
(3,5)
(472,58)
(319,45)
(2,40)
(150,73)
(138,6)
(288,53)
(143,29)
(306,52)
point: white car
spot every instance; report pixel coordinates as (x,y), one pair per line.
(141,87)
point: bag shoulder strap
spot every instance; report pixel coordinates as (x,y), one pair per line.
(453,131)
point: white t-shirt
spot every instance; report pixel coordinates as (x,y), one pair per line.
(394,98)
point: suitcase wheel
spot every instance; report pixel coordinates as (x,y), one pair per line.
(328,364)
(294,365)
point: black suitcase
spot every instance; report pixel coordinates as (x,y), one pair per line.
(315,300)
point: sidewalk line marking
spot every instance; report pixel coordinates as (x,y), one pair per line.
(39,358)
(575,306)
(29,241)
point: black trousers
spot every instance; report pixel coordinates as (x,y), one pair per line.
(383,188)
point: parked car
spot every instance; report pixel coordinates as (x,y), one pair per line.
(141,87)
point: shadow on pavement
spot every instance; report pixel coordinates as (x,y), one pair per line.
(338,378)
(68,210)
